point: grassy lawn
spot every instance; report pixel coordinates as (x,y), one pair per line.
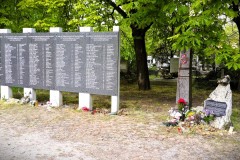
(156,101)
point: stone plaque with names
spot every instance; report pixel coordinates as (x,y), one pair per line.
(70,58)
(102,63)
(73,62)
(14,61)
(41,60)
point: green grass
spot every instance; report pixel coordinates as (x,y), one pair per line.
(236,111)
(17,92)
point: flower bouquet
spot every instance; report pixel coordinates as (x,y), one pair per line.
(182,107)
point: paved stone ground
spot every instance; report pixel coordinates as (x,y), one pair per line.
(29,133)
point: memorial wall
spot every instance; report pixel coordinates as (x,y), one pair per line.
(72,62)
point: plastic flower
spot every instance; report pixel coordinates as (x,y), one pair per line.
(181,104)
(85,109)
(207,112)
(182,101)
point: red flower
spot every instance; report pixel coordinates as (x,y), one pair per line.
(182,101)
(85,109)
(180,130)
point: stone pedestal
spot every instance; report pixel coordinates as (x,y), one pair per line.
(222,93)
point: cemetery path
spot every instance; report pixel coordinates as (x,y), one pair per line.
(30,133)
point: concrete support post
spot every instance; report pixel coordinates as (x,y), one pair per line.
(115,99)
(30,92)
(5,31)
(56,98)
(85,99)
(55,95)
(6,91)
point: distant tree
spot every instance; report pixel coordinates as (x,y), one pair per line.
(203,29)
(10,15)
(43,14)
(232,34)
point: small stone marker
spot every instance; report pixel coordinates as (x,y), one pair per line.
(174,64)
(221,103)
(184,83)
(123,66)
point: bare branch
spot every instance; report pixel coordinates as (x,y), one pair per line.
(148,27)
(117,8)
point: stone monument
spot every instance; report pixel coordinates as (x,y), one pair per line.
(184,82)
(220,103)
(174,65)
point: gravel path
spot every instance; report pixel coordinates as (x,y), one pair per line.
(29,133)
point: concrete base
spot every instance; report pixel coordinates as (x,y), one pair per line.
(6,92)
(55,29)
(114,104)
(85,100)
(85,29)
(56,98)
(5,31)
(29,30)
(31,93)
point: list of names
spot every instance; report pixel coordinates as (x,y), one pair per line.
(74,62)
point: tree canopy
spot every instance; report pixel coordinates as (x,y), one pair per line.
(204,30)
(146,26)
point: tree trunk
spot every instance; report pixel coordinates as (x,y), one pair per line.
(138,35)
(237,21)
(238,85)
(141,58)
